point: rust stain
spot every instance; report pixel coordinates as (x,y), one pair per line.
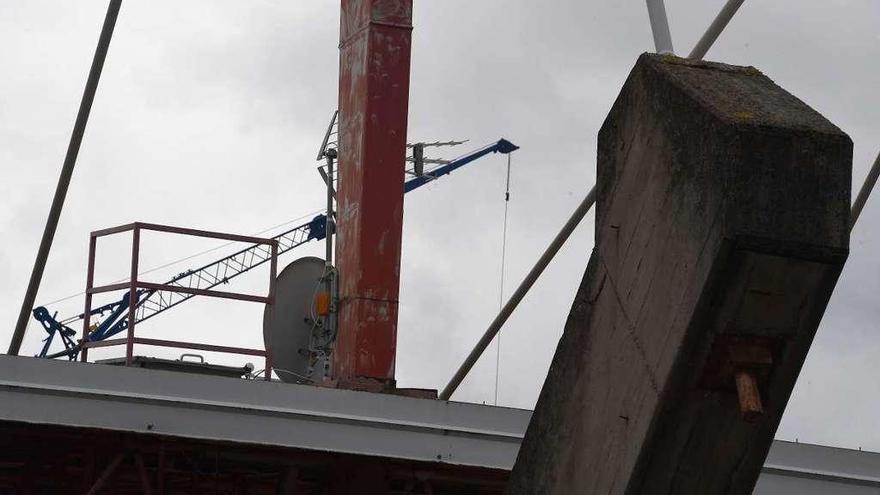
(373,104)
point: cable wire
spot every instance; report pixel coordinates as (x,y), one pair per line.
(501,287)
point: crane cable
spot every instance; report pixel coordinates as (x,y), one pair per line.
(501,285)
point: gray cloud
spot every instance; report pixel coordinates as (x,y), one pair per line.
(210,112)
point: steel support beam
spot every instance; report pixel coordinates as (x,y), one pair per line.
(373,104)
(715,29)
(660,26)
(864,192)
(142,473)
(76,137)
(105,475)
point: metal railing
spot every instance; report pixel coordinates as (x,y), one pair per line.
(133,284)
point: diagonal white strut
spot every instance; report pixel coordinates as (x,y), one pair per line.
(715,29)
(660,26)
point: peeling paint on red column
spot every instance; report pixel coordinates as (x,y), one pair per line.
(373,103)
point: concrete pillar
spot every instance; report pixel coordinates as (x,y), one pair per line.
(722,225)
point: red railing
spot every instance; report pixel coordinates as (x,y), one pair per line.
(134,284)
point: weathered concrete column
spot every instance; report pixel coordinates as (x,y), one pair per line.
(374,61)
(722,226)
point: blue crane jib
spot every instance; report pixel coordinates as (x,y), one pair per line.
(151,302)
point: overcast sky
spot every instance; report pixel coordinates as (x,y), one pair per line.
(210,112)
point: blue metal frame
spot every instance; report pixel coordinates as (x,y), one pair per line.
(502,146)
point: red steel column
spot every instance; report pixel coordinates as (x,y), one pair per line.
(373,103)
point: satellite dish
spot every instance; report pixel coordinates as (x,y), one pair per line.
(289,322)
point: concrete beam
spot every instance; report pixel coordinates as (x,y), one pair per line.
(722,226)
